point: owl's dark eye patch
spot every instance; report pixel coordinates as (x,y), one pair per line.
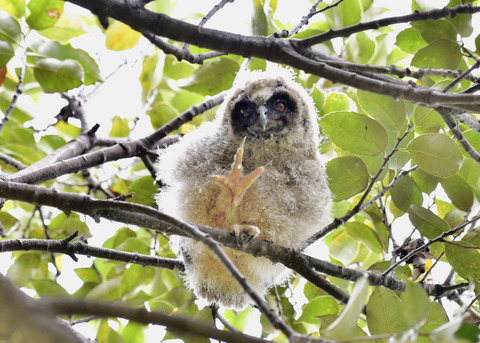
(243,108)
(243,115)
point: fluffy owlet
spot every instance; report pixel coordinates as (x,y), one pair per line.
(255,170)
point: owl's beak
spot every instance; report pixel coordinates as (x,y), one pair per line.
(262,112)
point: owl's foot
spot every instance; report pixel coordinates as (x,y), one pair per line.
(235,183)
(245,233)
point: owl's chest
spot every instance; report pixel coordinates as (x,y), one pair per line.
(270,197)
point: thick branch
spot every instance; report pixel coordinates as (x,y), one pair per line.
(140,315)
(288,52)
(148,217)
(26,320)
(48,171)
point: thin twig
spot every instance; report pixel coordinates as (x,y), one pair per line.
(447,115)
(382,168)
(11,161)
(461,77)
(18,89)
(445,12)
(430,242)
(209,15)
(180,54)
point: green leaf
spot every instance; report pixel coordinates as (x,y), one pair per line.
(144,189)
(361,48)
(67,52)
(463,24)
(6,53)
(347,175)
(459,191)
(87,275)
(319,99)
(473,236)
(134,333)
(355,334)
(120,36)
(44,13)
(213,77)
(13,7)
(106,291)
(436,318)
(175,69)
(134,277)
(468,332)
(425,221)
(7,220)
(58,76)
(259,19)
(319,306)
(345,14)
(21,271)
(416,306)
(10,29)
(68,26)
(239,319)
(62,226)
(477,44)
(405,193)
(473,138)
(342,327)
(410,40)
(134,245)
(343,247)
(386,110)
(465,261)
(436,154)
(440,54)
(49,288)
(120,127)
(355,132)
(364,234)
(426,182)
(426,117)
(336,102)
(432,30)
(385,313)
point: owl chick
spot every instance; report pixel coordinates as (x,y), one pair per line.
(275,190)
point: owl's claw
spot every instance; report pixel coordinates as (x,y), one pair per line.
(245,233)
(235,183)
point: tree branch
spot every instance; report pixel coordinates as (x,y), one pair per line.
(446,12)
(11,161)
(290,52)
(337,222)
(176,324)
(26,320)
(47,169)
(147,217)
(18,90)
(71,248)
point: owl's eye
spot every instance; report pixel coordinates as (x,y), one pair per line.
(279,105)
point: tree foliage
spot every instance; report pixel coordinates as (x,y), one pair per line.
(397,102)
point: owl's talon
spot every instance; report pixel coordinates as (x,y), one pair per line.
(235,183)
(245,233)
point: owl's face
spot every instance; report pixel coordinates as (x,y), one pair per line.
(266,107)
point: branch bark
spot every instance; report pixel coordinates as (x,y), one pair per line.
(291,52)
